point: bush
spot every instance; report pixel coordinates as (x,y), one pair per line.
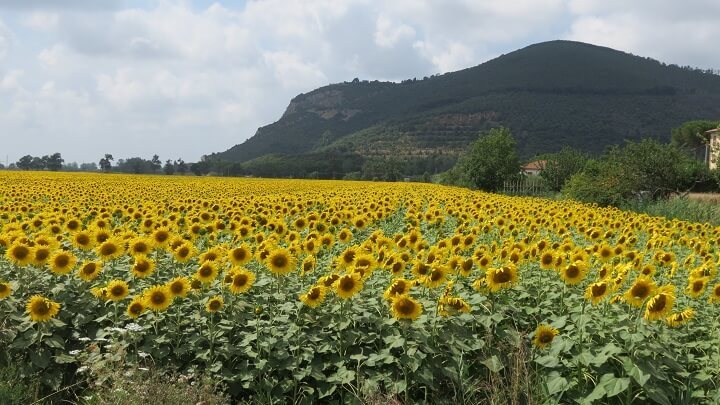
(489,161)
(560,166)
(641,171)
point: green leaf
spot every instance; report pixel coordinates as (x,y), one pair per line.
(493,363)
(556,383)
(657,395)
(548,361)
(616,386)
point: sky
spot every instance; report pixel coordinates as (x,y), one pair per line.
(183,79)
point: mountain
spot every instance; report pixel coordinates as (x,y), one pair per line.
(549,94)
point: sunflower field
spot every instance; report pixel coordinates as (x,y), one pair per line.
(349,292)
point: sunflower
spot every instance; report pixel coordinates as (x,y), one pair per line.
(399,286)
(89,270)
(640,290)
(715,295)
(661,303)
(574,273)
(136,307)
(547,260)
(161,237)
(280,261)
(158,298)
(110,249)
(241,281)
(5,290)
(697,286)
(41,254)
(598,291)
(41,309)
(437,277)
(82,240)
(308,265)
(214,304)
(314,297)
(142,267)
(179,286)
(347,258)
(344,235)
(207,272)
(211,255)
(405,307)
(19,253)
(503,277)
(452,305)
(680,318)
(328,280)
(240,255)
(140,246)
(544,335)
(117,290)
(348,285)
(184,252)
(62,262)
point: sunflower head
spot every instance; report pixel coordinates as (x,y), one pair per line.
(348,285)
(41,309)
(280,261)
(179,286)
(5,290)
(544,335)
(406,307)
(214,304)
(241,281)
(117,290)
(314,296)
(158,298)
(136,307)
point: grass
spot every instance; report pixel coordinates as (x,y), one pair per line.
(696,208)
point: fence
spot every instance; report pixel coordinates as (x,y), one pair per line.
(526,185)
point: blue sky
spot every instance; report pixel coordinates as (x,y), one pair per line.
(187,78)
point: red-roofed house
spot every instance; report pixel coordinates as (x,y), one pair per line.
(534,168)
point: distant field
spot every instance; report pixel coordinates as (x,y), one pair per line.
(313,291)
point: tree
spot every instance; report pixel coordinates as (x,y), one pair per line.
(156,163)
(181,166)
(25,162)
(491,160)
(169,168)
(692,133)
(88,167)
(53,162)
(105,163)
(560,166)
(37,163)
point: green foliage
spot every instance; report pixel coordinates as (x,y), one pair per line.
(491,160)
(692,133)
(13,389)
(560,166)
(645,170)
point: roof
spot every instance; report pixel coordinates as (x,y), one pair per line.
(535,165)
(713,131)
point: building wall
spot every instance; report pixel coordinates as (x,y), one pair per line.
(714,152)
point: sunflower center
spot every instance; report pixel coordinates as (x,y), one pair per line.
(501,276)
(405,306)
(136,308)
(89,268)
(21,252)
(239,254)
(240,280)
(547,259)
(108,249)
(206,271)
(82,239)
(698,286)
(572,271)
(183,251)
(42,254)
(436,275)
(117,291)
(215,305)
(177,287)
(658,303)
(546,337)
(314,293)
(279,261)
(158,298)
(640,291)
(41,308)
(347,283)
(62,261)
(599,290)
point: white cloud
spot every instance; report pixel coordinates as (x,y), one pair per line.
(5,40)
(388,33)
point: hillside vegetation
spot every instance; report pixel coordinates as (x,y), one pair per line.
(552,94)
